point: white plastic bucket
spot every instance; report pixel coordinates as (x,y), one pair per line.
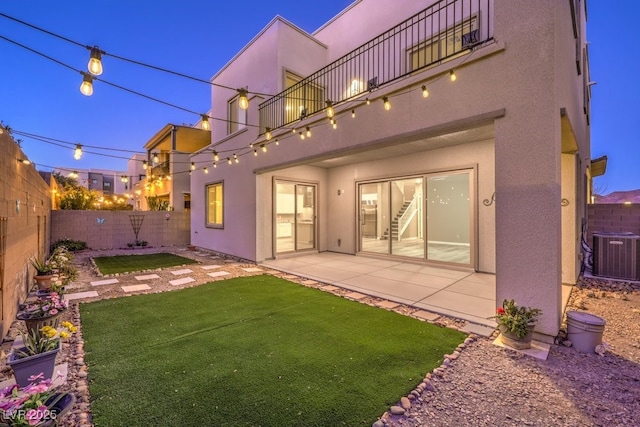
(584,330)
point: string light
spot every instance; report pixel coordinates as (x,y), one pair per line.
(124,179)
(334,123)
(155,158)
(95,61)
(425,92)
(86,88)
(215,165)
(205,122)
(277,142)
(330,111)
(243,101)
(235,158)
(387,104)
(144,164)
(293,130)
(229,160)
(263,147)
(215,156)
(193,166)
(452,76)
(301,135)
(205,170)
(353,114)
(77,153)
(368,102)
(255,153)
(308,132)
(267,134)
(25,161)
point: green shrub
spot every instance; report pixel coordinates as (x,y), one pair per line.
(70,244)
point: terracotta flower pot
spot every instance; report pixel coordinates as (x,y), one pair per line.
(43,281)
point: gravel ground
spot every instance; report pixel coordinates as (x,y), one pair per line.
(479,384)
(488,385)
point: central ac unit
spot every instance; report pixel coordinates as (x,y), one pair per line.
(615,255)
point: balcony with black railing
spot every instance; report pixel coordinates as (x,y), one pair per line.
(441,32)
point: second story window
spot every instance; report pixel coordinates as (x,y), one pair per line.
(237,116)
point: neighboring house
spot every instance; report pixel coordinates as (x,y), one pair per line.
(106,182)
(489,172)
(168,166)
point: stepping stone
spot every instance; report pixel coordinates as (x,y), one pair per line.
(290,276)
(80,295)
(330,288)
(182,281)
(210,267)
(355,295)
(105,282)
(426,315)
(148,277)
(201,254)
(387,304)
(482,330)
(179,272)
(218,274)
(136,288)
(309,282)
(252,270)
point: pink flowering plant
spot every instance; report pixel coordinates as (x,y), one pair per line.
(46,306)
(516,319)
(29,406)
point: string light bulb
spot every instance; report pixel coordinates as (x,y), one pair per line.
(193,166)
(144,164)
(425,92)
(235,158)
(215,156)
(301,135)
(255,153)
(243,101)
(229,160)
(452,76)
(387,104)
(155,158)
(215,165)
(308,132)
(330,111)
(263,147)
(86,88)
(293,130)
(277,142)
(368,102)
(205,170)
(267,134)
(25,161)
(95,61)
(205,122)
(77,153)
(353,114)
(334,124)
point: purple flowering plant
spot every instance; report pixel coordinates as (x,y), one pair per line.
(46,306)
(29,406)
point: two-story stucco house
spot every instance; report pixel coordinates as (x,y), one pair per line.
(451,133)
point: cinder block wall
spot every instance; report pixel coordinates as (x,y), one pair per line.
(113,229)
(25,212)
(611,218)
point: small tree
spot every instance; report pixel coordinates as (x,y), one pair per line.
(78,198)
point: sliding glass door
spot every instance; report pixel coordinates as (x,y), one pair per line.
(295,217)
(425,217)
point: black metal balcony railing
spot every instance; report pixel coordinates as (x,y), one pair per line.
(438,33)
(161,169)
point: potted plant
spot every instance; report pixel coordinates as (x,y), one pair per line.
(33,405)
(61,262)
(38,353)
(44,311)
(516,324)
(44,271)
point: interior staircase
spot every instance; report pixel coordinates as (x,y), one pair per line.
(394,223)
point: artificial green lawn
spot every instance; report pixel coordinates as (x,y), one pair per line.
(252,351)
(127,263)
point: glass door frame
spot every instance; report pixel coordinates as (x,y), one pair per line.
(473,214)
(294,227)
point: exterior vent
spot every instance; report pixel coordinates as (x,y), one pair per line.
(615,255)
(470,39)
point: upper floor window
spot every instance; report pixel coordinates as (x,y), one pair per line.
(214,205)
(302,99)
(445,44)
(237,116)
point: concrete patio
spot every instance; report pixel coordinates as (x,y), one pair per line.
(461,294)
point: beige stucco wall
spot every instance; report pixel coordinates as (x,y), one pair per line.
(113,229)
(25,209)
(519,84)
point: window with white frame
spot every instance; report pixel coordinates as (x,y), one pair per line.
(237,116)
(215,205)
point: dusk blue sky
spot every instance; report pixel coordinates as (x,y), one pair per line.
(197,38)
